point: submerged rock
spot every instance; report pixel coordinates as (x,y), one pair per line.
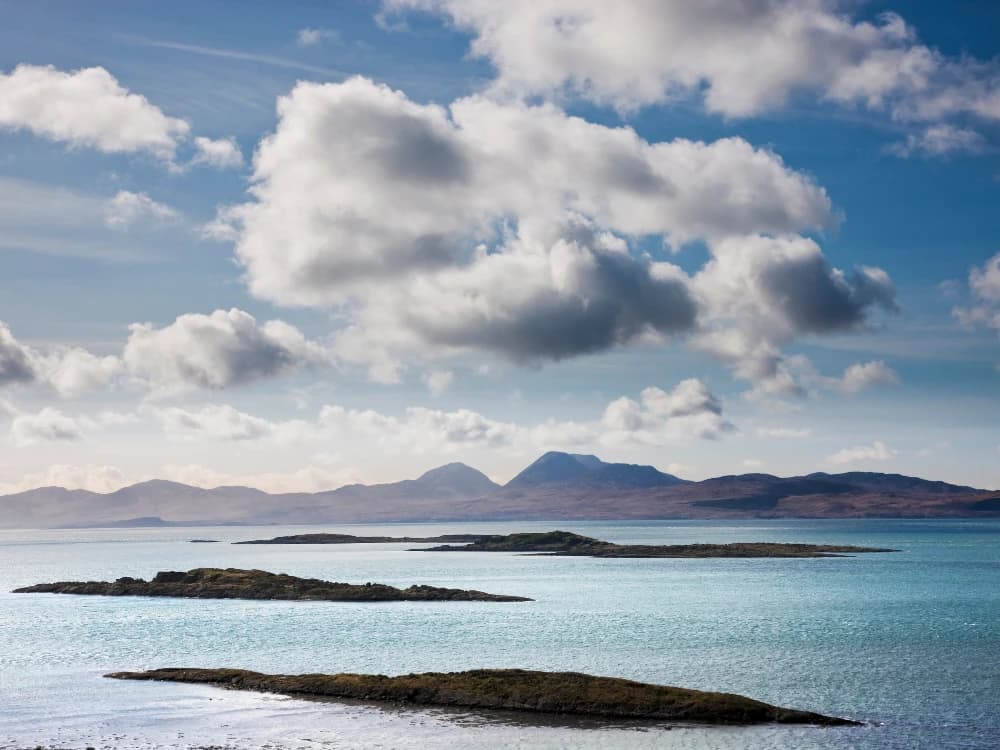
(568,543)
(510,689)
(233,583)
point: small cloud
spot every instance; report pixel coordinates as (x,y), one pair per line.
(214,421)
(859,377)
(7,409)
(752,463)
(311,37)
(950,288)
(48,425)
(222,153)
(877,451)
(689,410)
(225,227)
(437,381)
(939,141)
(126,208)
(783,432)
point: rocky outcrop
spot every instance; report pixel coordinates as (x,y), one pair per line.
(233,583)
(567,543)
(511,689)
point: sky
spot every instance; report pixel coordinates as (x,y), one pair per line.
(297,245)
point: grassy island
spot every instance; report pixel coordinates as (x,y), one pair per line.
(351,539)
(508,689)
(233,583)
(568,543)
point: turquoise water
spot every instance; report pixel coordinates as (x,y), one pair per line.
(909,641)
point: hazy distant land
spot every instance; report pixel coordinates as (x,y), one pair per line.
(556,486)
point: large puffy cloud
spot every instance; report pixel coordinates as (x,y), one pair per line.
(359,184)
(759,293)
(87,107)
(523,232)
(227,347)
(743,57)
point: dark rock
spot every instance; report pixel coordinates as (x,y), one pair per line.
(233,583)
(567,543)
(509,689)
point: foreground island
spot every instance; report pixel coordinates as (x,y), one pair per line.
(233,583)
(568,543)
(508,689)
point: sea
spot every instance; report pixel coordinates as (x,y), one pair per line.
(907,642)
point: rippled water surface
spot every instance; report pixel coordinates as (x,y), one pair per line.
(909,641)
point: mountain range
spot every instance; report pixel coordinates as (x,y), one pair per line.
(557,486)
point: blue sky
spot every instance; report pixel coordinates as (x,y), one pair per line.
(753,237)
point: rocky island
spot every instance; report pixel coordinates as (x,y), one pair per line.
(351,539)
(568,543)
(508,689)
(233,583)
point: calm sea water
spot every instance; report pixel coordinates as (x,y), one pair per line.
(909,642)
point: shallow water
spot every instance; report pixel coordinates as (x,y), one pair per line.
(908,642)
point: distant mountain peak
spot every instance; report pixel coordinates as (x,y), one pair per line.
(457,477)
(556,467)
(454,469)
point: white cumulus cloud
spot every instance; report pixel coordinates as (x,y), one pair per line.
(87,107)
(515,230)
(741,57)
(225,348)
